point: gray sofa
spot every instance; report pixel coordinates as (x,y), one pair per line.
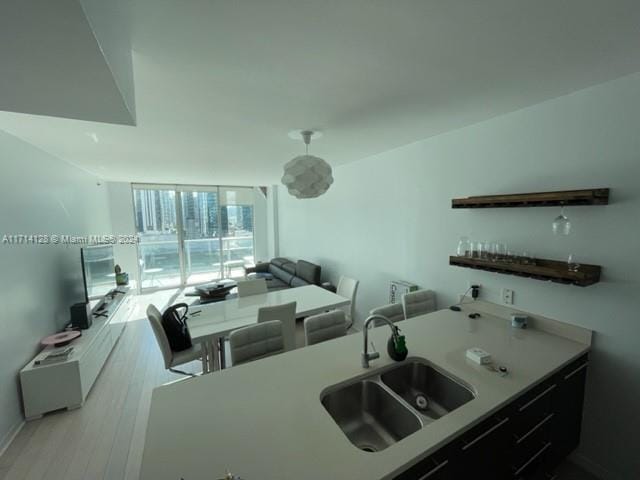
(283,273)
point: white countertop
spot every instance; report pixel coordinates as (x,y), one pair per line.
(264,420)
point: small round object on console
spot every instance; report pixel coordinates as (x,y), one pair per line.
(60,339)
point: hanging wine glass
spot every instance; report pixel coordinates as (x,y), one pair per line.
(561,224)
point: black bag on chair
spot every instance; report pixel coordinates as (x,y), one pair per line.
(175,326)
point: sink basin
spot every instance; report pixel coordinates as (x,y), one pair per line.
(382,408)
(427,390)
(369,415)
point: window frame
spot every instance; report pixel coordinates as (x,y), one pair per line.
(178,190)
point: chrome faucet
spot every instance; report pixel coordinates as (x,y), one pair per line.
(366,357)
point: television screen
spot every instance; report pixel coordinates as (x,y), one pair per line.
(99,274)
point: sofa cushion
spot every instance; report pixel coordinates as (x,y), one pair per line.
(276,284)
(309,272)
(298,282)
(289,267)
(279,261)
(280,273)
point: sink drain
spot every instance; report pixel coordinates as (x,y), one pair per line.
(421,402)
(368,448)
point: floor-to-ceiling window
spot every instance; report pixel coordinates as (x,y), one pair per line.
(192,234)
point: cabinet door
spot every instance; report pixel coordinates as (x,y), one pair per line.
(434,467)
(569,402)
(482,451)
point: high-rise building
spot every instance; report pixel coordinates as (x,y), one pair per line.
(211,214)
(246,218)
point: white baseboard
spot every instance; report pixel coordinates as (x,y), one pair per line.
(10,436)
(592,467)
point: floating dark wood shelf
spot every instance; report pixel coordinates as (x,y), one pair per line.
(597,196)
(550,270)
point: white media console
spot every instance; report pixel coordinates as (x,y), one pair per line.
(66,384)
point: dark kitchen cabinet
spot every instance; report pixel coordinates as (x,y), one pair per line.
(569,409)
(434,467)
(525,440)
(481,451)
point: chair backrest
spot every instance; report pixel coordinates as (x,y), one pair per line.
(252,287)
(325,326)
(393,312)
(155,319)
(418,303)
(348,287)
(256,341)
(286,313)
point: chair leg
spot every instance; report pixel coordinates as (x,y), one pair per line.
(180,372)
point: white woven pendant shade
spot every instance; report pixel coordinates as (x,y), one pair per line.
(307,176)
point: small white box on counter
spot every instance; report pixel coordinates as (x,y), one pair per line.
(478,356)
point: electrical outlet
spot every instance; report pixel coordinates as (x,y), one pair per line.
(507,296)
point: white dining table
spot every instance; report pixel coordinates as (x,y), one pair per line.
(214,321)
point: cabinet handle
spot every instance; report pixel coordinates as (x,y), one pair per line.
(581,367)
(536,398)
(542,422)
(537,454)
(481,436)
(434,470)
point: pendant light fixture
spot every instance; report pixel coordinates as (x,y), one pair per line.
(307,176)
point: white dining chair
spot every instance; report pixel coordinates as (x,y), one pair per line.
(348,288)
(286,313)
(418,303)
(252,287)
(392,311)
(256,341)
(171,359)
(324,326)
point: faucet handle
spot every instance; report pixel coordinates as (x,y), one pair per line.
(374,353)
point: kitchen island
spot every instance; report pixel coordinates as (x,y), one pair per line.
(264,420)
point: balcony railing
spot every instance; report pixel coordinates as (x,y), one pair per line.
(204,260)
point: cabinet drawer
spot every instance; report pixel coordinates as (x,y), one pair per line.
(93,361)
(532,407)
(430,468)
(574,368)
(490,430)
(527,446)
(481,451)
(535,462)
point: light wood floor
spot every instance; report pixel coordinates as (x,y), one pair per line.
(103,439)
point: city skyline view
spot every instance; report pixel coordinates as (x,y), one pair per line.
(215,238)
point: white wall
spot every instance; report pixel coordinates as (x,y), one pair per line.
(39,194)
(389,217)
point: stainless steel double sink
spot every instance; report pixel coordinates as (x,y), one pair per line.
(378,410)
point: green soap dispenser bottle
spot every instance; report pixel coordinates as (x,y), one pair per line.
(397,347)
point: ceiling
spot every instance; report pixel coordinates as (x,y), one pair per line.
(67,58)
(219,84)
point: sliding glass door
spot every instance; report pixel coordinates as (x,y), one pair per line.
(158,248)
(201,233)
(236,220)
(190,235)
